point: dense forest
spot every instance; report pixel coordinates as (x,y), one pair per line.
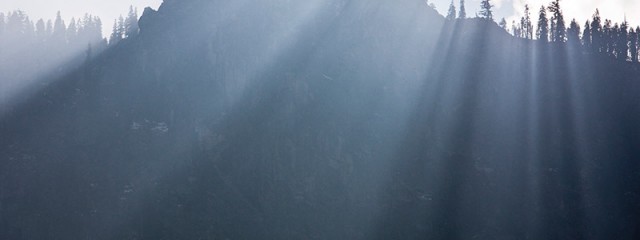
(18,31)
(51,48)
(618,40)
(23,42)
(326,119)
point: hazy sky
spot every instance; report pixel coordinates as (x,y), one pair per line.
(107,10)
(581,10)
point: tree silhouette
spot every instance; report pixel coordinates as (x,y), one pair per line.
(558,29)
(606,36)
(523,28)
(131,23)
(586,36)
(116,35)
(91,31)
(17,26)
(29,29)
(527,26)
(41,31)
(543,25)
(503,24)
(573,33)
(634,44)
(59,30)
(596,33)
(622,41)
(485,10)
(638,39)
(514,28)
(451,14)
(72,31)
(49,27)
(463,12)
(121,27)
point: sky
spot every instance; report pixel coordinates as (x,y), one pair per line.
(107,10)
(581,10)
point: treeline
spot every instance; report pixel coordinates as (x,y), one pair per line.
(29,49)
(19,32)
(618,40)
(125,27)
(17,29)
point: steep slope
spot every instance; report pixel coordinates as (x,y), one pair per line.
(325,120)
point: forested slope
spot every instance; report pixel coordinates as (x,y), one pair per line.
(325,120)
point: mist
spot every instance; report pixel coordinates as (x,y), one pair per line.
(34,53)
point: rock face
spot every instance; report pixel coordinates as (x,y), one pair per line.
(146,20)
(324,120)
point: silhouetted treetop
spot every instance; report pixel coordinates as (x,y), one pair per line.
(558,29)
(573,33)
(617,40)
(503,24)
(526,24)
(463,12)
(596,32)
(486,9)
(131,23)
(451,13)
(542,34)
(586,36)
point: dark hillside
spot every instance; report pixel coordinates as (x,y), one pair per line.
(325,120)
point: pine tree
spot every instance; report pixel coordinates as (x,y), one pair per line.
(97,33)
(121,27)
(503,24)
(17,26)
(514,28)
(131,23)
(637,44)
(89,29)
(451,14)
(115,34)
(543,25)
(29,29)
(633,44)
(561,29)
(586,36)
(597,41)
(485,10)
(59,30)
(607,43)
(573,33)
(523,28)
(558,29)
(622,47)
(528,25)
(41,32)
(463,11)
(49,28)
(97,26)
(72,31)
(614,33)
